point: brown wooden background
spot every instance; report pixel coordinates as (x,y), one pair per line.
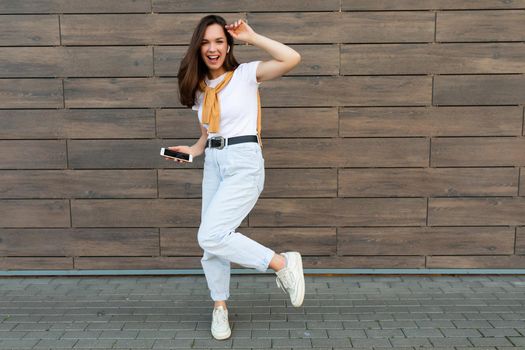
(416,106)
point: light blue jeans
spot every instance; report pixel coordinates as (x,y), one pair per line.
(233,179)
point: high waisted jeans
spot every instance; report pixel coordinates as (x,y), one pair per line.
(233,179)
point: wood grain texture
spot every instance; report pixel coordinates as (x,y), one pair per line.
(77,124)
(479,90)
(136,263)
(29,30)
(36,263)
(79,242)
(20,154)
(34,213)
(135,212)
(105,183)
(31,93)
(428,182)
(446,58)
(476,211)
(339,212)
(345,27)
(476,262)
(347,91)
(504,25)
(425,240)
(350,152)
(244,5)
(478,151)
(76,61)
(434,121)
(73,6)
(352,5)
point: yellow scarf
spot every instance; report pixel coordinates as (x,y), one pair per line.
(211,109)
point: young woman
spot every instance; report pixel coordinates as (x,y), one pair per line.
(225,95)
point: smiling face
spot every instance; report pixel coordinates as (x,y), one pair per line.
(214,49)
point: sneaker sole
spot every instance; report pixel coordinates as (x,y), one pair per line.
(300,288)
(222,335)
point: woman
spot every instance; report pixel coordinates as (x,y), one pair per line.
(225,95)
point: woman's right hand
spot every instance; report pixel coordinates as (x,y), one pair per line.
(183,149)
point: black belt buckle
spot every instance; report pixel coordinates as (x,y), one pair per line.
(217,142)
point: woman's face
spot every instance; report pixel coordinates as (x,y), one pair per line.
(214,47)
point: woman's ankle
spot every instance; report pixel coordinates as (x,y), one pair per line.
(278,262)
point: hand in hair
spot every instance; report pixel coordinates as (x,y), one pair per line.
(240,30)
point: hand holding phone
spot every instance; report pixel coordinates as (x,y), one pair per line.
(178,153)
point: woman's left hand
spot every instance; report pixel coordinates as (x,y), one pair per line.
(240,30)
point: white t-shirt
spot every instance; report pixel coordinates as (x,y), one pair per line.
(238,102)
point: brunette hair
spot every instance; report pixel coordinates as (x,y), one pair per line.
(192,68)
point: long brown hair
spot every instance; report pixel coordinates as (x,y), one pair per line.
(192,68)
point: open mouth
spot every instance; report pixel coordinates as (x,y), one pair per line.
(213,58)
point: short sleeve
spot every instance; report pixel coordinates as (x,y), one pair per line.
(249,72)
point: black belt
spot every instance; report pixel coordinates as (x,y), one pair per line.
(220,142)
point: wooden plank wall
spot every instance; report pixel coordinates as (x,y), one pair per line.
(397,143)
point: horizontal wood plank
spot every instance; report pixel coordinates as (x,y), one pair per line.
(428,182)
(121,92)
(135,212)
(478,151)
(243,5)
(331,212)
(358,152)
(504,25)
(137,263)
(476,211)
(453,58)
(36,263)
(353,5)
(347,91)
(29,30)
(476,262)
(479,89)
(33,154)
(364,262)
(73,6)
(34,213)
(31,93)
(76,61)
(78,124)
(425,240)
(106,183)
(79,242)
(345,27)
(436,121)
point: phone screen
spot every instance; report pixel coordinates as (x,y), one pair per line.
(176,154)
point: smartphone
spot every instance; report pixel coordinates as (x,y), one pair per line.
(177,155)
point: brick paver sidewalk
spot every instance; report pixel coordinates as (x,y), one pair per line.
(366,312)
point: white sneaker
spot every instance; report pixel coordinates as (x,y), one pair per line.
(220,327)
(291,278)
